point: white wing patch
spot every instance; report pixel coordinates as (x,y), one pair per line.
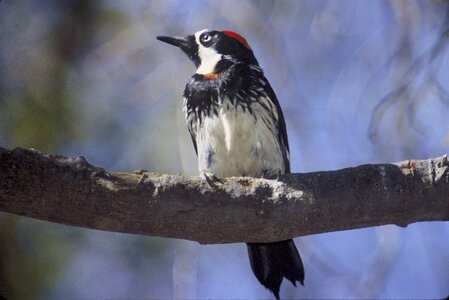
(227,130)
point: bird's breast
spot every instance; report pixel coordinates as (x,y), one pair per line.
(236,141)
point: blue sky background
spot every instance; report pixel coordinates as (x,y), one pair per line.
(359,82)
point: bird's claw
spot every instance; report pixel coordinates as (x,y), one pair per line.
(140,171)
(143,175)
(210,178)
(270,174)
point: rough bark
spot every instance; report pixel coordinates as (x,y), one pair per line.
(72,191)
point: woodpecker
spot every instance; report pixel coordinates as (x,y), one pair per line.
(238,129)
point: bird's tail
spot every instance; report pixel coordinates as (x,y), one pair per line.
(273,261)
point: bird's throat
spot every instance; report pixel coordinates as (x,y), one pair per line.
(210,76)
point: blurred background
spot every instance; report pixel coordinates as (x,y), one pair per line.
(359,82)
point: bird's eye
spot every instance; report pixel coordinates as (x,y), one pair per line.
(206,39)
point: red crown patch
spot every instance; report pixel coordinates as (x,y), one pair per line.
(238,37)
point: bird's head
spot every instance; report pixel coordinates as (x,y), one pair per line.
(213,51)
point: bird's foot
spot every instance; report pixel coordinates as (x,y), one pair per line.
(140,171)
(271,174)
(210,178)
(143,175)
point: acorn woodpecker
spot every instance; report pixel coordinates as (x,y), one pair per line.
(238,129)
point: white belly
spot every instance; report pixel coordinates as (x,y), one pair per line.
(234,143)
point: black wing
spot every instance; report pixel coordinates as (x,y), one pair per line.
(240,81)
(192,136)
(282,127)
(252,79)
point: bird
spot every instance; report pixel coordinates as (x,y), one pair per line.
(238,129)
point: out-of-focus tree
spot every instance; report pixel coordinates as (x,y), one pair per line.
(39,42)
(416,81)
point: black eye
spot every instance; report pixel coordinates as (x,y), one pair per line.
(206,39)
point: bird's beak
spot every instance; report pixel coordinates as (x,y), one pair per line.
(186,44)
(182,42)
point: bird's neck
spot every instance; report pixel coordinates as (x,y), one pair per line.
(224,66)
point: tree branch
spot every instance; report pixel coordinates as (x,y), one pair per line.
(72,191)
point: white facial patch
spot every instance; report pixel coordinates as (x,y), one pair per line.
(208,56)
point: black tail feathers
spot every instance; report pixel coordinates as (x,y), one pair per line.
(273,261)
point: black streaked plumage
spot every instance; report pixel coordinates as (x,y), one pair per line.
(238,129)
